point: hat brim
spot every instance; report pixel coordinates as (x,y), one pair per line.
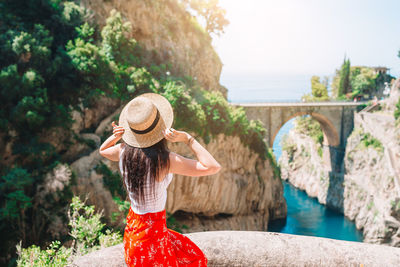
(155,135)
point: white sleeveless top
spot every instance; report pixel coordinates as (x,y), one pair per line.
(152,202)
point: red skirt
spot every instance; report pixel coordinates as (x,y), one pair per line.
(148,242)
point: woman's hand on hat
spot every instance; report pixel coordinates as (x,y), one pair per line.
(175,135)
(118,131)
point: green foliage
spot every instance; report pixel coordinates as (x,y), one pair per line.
(188,113)
(109,238)
(86,231)
(123,207)
(274,164)
(45,72)
(217,113)
(115,44)
(370,205)
(53,255)
(320,151)
(344,81)
(397,110)
(363,81)
(289,147)
(357,81)
(39,88)
(319,90)
(112,180)
(223,118)
(395,204)
(38,82)
(13,187)
(308,126)
(16,201)
(85,226)
(367,140)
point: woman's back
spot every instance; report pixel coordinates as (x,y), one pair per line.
(147,166)
(154,201)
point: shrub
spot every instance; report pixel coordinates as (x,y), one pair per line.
(288,146)
(367,140)
(87,235)
(53,255)
(397,110)
(309,126)
(188,113)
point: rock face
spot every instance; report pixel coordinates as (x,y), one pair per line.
(368,191)
(228,248)
(371,184)
(169,34)
(90,184)
(244,195)
(245,191)
(303,167)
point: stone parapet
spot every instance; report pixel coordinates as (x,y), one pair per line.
(241,248)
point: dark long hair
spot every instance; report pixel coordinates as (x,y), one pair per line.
(138,163)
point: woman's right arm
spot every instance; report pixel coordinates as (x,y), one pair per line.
(205,163)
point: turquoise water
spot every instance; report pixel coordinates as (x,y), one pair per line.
(305,215)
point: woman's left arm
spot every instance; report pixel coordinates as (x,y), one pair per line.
(109,149)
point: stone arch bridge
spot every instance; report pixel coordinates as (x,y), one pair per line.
(335,118)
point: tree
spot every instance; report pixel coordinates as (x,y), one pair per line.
(213,14)
(344,82)
(335,84)
(319,90)
(363,81)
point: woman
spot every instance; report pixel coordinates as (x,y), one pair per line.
(147,166)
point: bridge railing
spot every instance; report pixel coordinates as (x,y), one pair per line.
(300,104)
(293,101)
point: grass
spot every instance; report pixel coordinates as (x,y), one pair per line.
(367,140)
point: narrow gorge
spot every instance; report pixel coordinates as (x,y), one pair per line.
(366,189)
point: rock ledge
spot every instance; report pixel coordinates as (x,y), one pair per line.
(247,248)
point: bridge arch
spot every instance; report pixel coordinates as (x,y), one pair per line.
(331,135)
(335,118)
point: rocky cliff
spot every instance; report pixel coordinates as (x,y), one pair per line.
(303,167)
(169,35)
(243,196)
(368,190)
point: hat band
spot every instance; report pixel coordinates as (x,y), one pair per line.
(150,128)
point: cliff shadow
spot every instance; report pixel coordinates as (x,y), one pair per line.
(335,192)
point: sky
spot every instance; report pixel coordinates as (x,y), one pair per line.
(308,37)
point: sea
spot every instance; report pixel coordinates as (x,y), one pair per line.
(306,216)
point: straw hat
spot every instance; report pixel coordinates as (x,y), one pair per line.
(144,118)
